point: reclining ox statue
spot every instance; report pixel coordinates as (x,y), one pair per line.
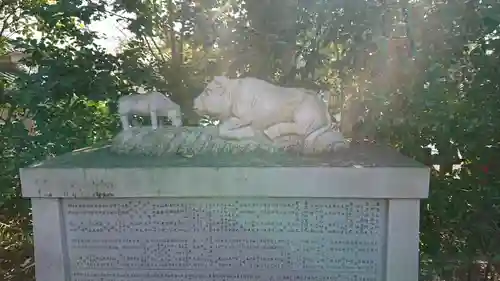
(250,107)
(153,104)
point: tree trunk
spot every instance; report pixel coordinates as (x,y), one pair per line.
(171,32)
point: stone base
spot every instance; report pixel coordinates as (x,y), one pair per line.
(188,141)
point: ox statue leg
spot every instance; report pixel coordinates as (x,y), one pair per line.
(232,129)
(124,121)
(154,120)
(307,118)
(175,118)
(282,129)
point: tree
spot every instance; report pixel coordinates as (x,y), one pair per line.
(436,103)
(66,91)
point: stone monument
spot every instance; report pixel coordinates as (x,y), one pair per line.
(250,207)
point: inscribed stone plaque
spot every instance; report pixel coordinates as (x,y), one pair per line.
(213,239)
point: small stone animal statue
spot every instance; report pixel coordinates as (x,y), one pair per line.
(153,103)
(247,106)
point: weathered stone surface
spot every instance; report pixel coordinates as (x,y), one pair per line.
(357,155)
(189,141)
(153,239)
(362,171)
(346,215)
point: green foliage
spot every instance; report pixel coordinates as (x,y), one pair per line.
(66,94)
(445,95)
(450,100)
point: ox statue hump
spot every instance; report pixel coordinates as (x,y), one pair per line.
(250,107)
(153,104)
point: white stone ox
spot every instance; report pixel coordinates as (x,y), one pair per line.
(248,106)
(152,103)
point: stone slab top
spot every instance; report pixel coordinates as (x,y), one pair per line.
(358,155)
(359,172)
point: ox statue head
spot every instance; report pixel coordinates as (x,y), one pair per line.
(214,100)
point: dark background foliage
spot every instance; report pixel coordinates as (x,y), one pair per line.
(433,95)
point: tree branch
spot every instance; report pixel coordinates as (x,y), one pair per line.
(160,52)
(150,48)
(171,31)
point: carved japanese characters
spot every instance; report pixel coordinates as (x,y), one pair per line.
(154,104)
(271,238)
(250,107)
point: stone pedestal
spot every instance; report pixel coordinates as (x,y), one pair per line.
(348,216)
